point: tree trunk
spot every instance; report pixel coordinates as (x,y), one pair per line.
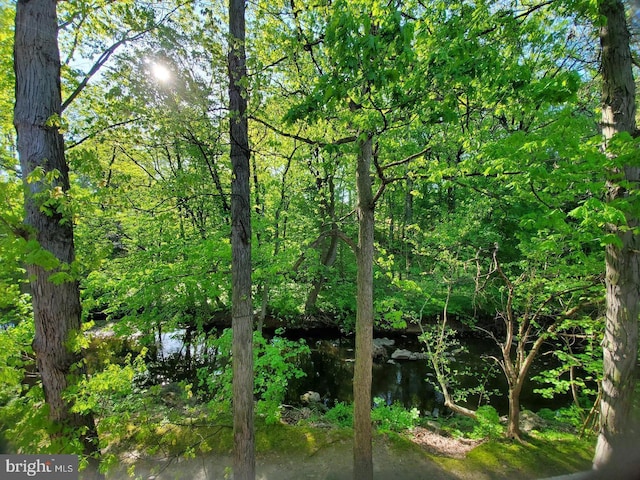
(242,309)
(328,254)
(328,259)
(362,448)
(620,345)
(56,305)
(408,220)
(513,422)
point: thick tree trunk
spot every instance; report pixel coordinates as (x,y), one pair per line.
(362,448)
(242,309)
(56,306)
(620,346)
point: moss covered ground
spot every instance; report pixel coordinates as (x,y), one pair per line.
(200,451)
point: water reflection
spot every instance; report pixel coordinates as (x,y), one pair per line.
(329,371)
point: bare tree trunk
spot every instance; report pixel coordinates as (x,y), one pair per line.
(620,346)
(56,305)
(362,448)
(242,309)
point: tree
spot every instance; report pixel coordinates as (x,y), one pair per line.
(362,448)
(54,288)
(622,257)
(539,319)
(241,304)
(357,62)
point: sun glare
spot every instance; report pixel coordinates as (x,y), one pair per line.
(160,72)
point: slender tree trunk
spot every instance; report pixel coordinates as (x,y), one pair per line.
(56,305)
(620,346)
(362,449)
(328,253)
(328,260)
(242,309)
(439,361)
(407,221)
(513,423)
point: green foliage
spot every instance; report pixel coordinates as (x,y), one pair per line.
(394,417)
(8,159)
(569,418)
(341,415)
(23,413)
(387,418)
(462,381)
(274,367)
(579,369)
(16,354)
(487,423)
(106,392)
(14,305)
(495,101)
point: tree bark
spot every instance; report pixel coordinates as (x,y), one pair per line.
(56,305)
(513,422)
(242,309)
(328,259)
(620,345)
(362,448)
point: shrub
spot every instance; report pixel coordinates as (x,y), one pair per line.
(393,418)
(341,415)
(274,367)
(487,423)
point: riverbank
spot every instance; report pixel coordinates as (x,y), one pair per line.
(286,452)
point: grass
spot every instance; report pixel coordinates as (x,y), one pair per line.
(549,453)
(537,457)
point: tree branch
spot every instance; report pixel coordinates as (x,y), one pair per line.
(107,54)
(337,232)
(302,139)
(108,127)
(98,65)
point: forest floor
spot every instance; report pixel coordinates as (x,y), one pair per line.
(418,455)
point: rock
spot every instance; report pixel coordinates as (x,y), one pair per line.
(530,421)
(384,342)
(433,426)
(310,397)
(379,352)
(402,354)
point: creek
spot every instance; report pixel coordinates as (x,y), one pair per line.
(329,371)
